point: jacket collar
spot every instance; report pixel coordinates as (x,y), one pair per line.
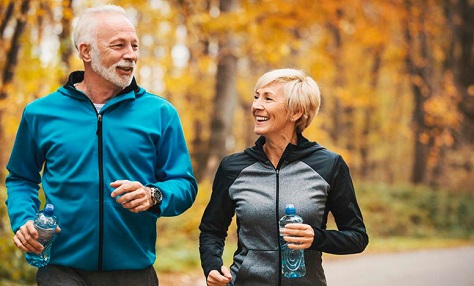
(128,93)
(78,76)
(303,148)
(301,142)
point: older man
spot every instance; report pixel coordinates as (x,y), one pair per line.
(111,158)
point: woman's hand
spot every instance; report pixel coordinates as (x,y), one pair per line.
(298,235)
(217,279)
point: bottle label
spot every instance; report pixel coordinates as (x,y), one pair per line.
(45,234)
(292,259)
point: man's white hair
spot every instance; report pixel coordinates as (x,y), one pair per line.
(86,28)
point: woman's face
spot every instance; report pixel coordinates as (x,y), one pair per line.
(270,112)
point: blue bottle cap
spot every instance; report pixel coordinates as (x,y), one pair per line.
(290,209)
(48,209)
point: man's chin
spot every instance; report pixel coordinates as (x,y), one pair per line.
(123,82)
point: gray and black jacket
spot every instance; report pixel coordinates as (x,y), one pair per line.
(309,176)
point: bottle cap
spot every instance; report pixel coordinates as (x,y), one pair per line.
(48,209)
(290,209)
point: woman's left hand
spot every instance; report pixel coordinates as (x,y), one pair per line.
(298,235)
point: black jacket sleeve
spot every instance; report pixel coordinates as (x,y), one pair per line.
(215,222)
(351,236)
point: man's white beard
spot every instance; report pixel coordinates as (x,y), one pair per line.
(110,73)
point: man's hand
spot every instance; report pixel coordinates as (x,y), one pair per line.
(132,195)
(26,238)
(216,279)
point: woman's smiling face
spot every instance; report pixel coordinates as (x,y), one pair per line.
(270,112)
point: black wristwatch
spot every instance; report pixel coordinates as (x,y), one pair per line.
(156,195)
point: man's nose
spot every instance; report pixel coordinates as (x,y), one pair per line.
(131,54)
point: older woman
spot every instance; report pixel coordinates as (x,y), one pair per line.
(282,168)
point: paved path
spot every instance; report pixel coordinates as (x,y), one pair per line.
(451,267)
(438,267)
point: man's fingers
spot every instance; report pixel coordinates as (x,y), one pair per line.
(118,183)
(133,196)
(124,186)
(24,241)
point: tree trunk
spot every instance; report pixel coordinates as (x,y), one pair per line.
(337,124)
(198,46)
(369,110)
(462,22)
(7,15)
(225,99)
(66,48)
(12,55)
(9,68)
(419,75)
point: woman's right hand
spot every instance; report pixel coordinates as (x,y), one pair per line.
(217,279)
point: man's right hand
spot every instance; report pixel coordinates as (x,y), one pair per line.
(217,279)
(26,238)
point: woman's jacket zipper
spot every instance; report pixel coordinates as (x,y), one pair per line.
(277,172)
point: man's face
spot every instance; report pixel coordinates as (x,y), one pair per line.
(116,51)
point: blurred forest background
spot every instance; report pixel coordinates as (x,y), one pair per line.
(397,82)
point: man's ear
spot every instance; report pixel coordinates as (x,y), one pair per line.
(85,51)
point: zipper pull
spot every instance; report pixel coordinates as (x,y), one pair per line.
(99,124)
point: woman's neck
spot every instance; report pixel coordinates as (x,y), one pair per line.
(274,147)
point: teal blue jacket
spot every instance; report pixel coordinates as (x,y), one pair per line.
(75,152)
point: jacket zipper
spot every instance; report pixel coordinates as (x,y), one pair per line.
(101,192)
(277,215)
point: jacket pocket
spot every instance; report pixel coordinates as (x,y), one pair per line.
(259,268)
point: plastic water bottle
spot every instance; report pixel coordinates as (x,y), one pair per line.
(292,260)
(45,223)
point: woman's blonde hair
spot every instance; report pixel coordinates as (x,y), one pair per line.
(301,92)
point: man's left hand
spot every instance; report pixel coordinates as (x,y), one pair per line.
(132,195)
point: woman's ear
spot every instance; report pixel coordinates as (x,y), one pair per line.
(85,52)
(296,115)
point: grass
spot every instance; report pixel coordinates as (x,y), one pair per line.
(397,244)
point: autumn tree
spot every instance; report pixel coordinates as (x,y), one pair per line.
(458,14)
(10,47)
(225,96)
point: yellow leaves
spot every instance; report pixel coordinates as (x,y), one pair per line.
(470,90)
(440,112)
(336,42)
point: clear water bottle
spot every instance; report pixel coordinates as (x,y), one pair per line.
(292,260)
(45,223)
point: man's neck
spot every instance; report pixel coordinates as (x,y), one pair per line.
(98,89)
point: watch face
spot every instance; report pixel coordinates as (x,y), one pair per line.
(158,195)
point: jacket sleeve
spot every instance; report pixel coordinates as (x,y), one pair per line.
(174,171)
(351,236)
(23,180)
(215,222)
